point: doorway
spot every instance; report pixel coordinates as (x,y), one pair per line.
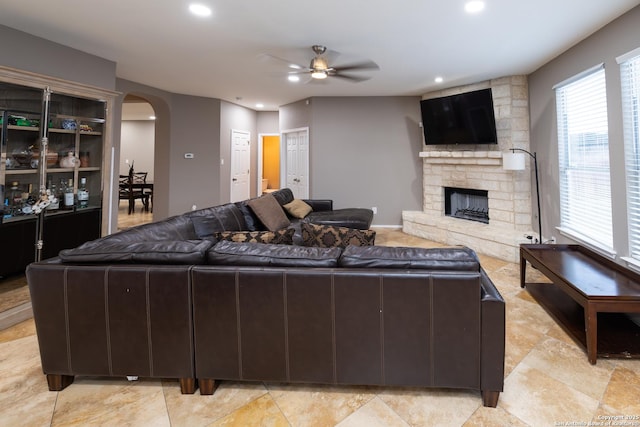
(240,165)
(268,162)
(137,147)
(296,169)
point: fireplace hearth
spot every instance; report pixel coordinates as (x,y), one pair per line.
(465,203)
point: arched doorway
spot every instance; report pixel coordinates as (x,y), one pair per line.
(137,147)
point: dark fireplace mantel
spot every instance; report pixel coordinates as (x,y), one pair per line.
(465,203)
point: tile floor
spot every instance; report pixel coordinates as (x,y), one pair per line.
(548,382)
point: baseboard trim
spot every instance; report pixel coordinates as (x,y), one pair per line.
(391,227)
(15,315)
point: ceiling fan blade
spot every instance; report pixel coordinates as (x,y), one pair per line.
(365,65)
(290,64)
(350,77)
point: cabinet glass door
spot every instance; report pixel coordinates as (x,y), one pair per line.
(20,141)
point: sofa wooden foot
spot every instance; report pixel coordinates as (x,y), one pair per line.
(59,382)
(490,398)
(188,385)
(207,386)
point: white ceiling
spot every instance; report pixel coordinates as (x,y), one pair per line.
(160,44)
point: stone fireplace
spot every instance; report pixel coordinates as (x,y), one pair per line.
(479,168)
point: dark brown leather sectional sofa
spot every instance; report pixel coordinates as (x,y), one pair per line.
(157,301)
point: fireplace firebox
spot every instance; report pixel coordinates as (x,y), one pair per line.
(467,204)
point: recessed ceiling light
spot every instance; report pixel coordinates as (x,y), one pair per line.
(474,6)
(293,78)
(199,9)
(438,79)
(259,105)
(152,117)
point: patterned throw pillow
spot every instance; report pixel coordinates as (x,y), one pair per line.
(279,237)
(327,236)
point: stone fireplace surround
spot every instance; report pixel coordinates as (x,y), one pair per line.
(480,168)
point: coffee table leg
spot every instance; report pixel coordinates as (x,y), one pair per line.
(591,331)
(523,271)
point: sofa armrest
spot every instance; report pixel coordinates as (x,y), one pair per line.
(493,335)
(319,205)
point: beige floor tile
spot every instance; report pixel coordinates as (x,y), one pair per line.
(25,399)
(432,407)
(111,402)
(569,364)
(21,330)
(262,412)
(520,340)
(197,410)
(558,333)
(623,392)
(522,310)
(319,405)
(540,400)
(13,292)
(493,417)
(374,414)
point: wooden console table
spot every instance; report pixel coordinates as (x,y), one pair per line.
(588,295)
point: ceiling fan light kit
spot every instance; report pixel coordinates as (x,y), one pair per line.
(320,69)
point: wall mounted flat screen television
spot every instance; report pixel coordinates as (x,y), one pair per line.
(465,118)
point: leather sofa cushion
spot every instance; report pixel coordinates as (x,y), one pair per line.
(278,237)
(228,217)
(270,212)
(165,252)
(359,218)
(258,254)
(283,196)
(327,236)
(459,259)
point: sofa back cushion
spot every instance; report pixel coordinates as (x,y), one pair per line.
(459,259)
(283,196)
(208,221)
(259,254)
(155,252)
(176,228)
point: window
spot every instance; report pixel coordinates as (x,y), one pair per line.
(583,154)
(630,79)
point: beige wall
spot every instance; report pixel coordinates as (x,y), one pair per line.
(137,146)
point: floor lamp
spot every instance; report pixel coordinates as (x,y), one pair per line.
(515,161)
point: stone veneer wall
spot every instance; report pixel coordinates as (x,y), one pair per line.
(480,167)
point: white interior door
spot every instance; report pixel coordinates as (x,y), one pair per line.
(296,142)
(240,165)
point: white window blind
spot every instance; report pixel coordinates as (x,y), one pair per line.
(630,79)
(583,154)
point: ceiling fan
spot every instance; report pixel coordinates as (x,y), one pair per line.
(320,69)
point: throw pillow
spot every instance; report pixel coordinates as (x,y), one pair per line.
(326,236)
(279,237)
(269,211)
(298,208)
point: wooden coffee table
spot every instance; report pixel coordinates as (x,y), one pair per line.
(588,294)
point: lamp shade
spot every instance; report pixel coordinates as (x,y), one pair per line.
(513,161)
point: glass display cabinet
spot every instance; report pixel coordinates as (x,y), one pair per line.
(52,142)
